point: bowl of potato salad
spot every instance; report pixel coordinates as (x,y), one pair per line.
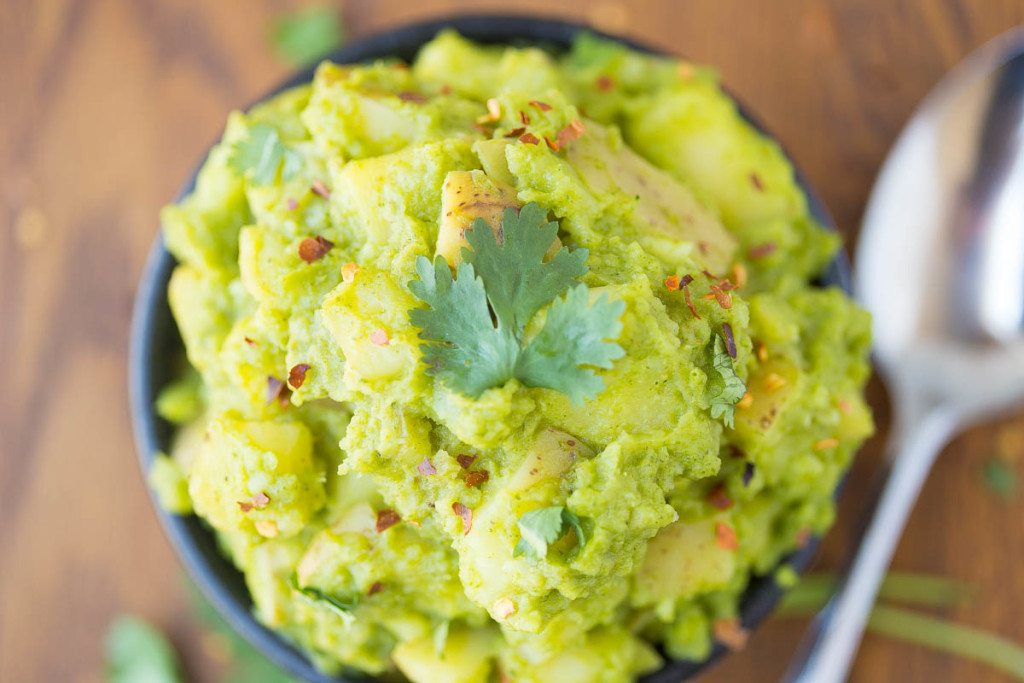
(496,349)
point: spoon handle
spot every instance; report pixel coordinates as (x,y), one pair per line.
(831,641)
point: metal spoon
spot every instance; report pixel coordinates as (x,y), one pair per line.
(941,267)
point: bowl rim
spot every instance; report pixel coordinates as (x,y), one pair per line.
(153,334)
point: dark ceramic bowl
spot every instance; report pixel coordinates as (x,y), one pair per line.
(155,347)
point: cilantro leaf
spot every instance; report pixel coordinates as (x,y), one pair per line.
(343,607)
(475,323)
(572,337)
(138,652)
(300,38)
(261,154)
(541,527)
(732,388)
(473,355)
(519,282)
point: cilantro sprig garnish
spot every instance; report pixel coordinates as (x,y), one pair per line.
(541,527)
(475,324)
(732,388)
(260,155)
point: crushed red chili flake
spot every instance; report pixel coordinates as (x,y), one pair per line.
(426,468)
(722,296)
(689,299)
(407,96)
(379,337)
(465,460)
(529,139)
(739,275)
(730,633)
(604,83)
(543,106)
(748,472)
(277,391)
(687,279)
(551,143)
(314,248)
(386,519)
(755,180)
(250,341)
(703,247)
(844,406)
(672,283)
(320,188)
(292,204)
(257,502)
(375,587)
(465,514)
(446,89)
(524,118)
(297,375)
(762,250)
(477,477)
(730,340)
(719,498)
(571,132)
(725,536)
(515,132)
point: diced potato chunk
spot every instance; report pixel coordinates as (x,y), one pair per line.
(684,559)
(467,658)
(551,456)
(770,388)
(466,196)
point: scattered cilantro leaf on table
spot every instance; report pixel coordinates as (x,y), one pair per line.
(300,38)
(723,403)
(541,527)
(136,651)
(262,154)
(475,323)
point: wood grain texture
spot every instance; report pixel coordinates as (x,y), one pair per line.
(106,105)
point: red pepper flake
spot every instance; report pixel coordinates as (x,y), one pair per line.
(529,139)
(297,375)
(762,250)
(476,478)
(314,248)
(466,514)
(803,537)
(748,472)
(722,296)
(844,406)
(551,143)
(257,502)
(446,89)
(515,132)
(524,118)
(762,353)
(250,341)
(348,272)
(730,633)
(826,444)
(689,299)
(292,204)
(318,187)
(672,283)
(703,247)
(543,106)
(604,83)
(386,519)
(277,391)
(687,279)
(725,536)
(379,337)
(375,587)
(719,498)
(416,97)
(465,460)
(739,275)
(426,468)
(571,132)
(730,341)
(755,180)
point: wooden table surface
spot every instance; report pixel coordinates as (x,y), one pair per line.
(106,105)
